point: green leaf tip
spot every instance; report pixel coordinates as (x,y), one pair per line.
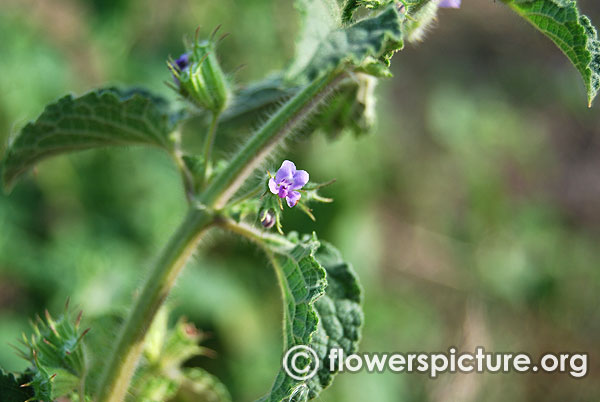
(100,118)
(572,32)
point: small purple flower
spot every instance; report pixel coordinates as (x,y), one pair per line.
(449,3)
(287,181)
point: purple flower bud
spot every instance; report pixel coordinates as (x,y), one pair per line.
(183,61)
(268,219)
(287,181)
(450,3)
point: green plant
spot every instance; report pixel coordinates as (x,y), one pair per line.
(342,50)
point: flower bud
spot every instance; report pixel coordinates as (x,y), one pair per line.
(268,219)
(199,77)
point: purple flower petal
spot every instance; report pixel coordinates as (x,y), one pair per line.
(300,179)
(286,171)
(449,3)
(292,198)
(273,186)
(283,191)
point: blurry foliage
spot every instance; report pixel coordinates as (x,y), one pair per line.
(472,217)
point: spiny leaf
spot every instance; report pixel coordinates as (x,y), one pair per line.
(101,118)
(573,33)
(56,355)
(321,309)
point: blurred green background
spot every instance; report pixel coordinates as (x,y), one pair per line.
(472,215)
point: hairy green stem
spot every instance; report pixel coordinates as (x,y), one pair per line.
(186,176)
(261,237)
(283,122)
(122,363)
(208,145)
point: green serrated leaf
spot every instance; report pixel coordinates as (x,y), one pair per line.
(573,33)
(340,314)
(321,309)
(302,281)
(11,390)
(101,118)
(375,37)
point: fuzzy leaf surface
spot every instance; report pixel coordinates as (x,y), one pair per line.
(322,310)
(374,37)
(572,32)
(101,118)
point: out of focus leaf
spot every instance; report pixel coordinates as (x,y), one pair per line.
(374,37)
(101,118)
(573,33)
(198,385)
(11,390)
(318,19)
(351,108)
(161,375)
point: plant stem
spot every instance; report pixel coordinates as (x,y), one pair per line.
(283,122)
(186,176)
(208,145)
(254,234)
(122,363)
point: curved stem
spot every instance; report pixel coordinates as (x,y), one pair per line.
(122,363)
(121,366)
(252,233)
